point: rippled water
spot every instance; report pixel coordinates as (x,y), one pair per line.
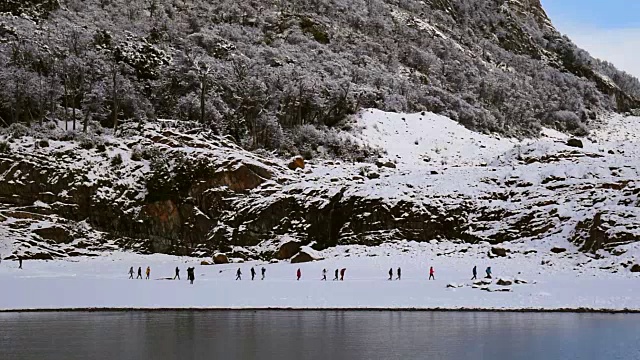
(331,335)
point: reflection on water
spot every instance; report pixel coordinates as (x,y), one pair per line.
(331,335)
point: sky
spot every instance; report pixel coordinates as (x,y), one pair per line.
(608,29)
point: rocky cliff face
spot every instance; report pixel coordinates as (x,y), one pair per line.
(190,192)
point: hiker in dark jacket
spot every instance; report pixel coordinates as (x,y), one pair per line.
(191,276)
(298,274)
(20,262)
(239,274)
(264,272)
(342,274)
(390,274)
(178,274)
(399,274)
(324,274)
(253,273)
(131,272)
(336,277)
(475,273)
(139,273)
(488,271)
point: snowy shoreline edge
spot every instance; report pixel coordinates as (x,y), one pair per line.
(368,309)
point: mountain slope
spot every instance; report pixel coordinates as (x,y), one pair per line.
(272,69)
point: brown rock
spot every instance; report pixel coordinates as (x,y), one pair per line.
(558,250)
(296,163)
(288,250)
(575,143)
(55,233)
(503,282)
(385,163)
(36,256)
(220,259)
(635,268)
(497,251)
(204,263)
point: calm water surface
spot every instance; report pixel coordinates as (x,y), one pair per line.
(289,335)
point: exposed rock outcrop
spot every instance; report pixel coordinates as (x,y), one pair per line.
(573,142)
(296,163)
(288,250)
(219,259)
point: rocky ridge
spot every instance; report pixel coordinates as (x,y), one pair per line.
(173,189)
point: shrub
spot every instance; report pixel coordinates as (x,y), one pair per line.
(4,147)
(310,141)
(17,130)
(68,136)
(149,153)
(116,161)
(87,143)
(136,154)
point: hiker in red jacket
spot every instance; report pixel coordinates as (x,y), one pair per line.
(432,273)
(342,271)
(299,274)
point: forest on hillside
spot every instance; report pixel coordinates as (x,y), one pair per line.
(284,75)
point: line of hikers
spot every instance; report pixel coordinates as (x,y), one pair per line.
(475,273)
(339,273)
(191,276)
(253,273)
(432,274)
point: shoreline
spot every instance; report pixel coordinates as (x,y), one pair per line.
(326,309)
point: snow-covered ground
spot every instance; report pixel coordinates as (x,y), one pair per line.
(567,282)
(428,139)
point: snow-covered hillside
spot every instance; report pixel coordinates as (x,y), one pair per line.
(544,209)
(427,138)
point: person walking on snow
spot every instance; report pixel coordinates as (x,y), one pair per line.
(131,272)
(139,273)
(336,276)
(342,274)
(239,274)
(432,273)
(177,276)
(488,272)
(299,274)
(390,274)
(475,273)
(148,272)
(324,274)
(190,274)
(253,273)
(399,274)
(19,262)
(264,272)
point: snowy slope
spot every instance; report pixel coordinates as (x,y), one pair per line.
(427,138)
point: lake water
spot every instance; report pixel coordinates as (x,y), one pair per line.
(334,335)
